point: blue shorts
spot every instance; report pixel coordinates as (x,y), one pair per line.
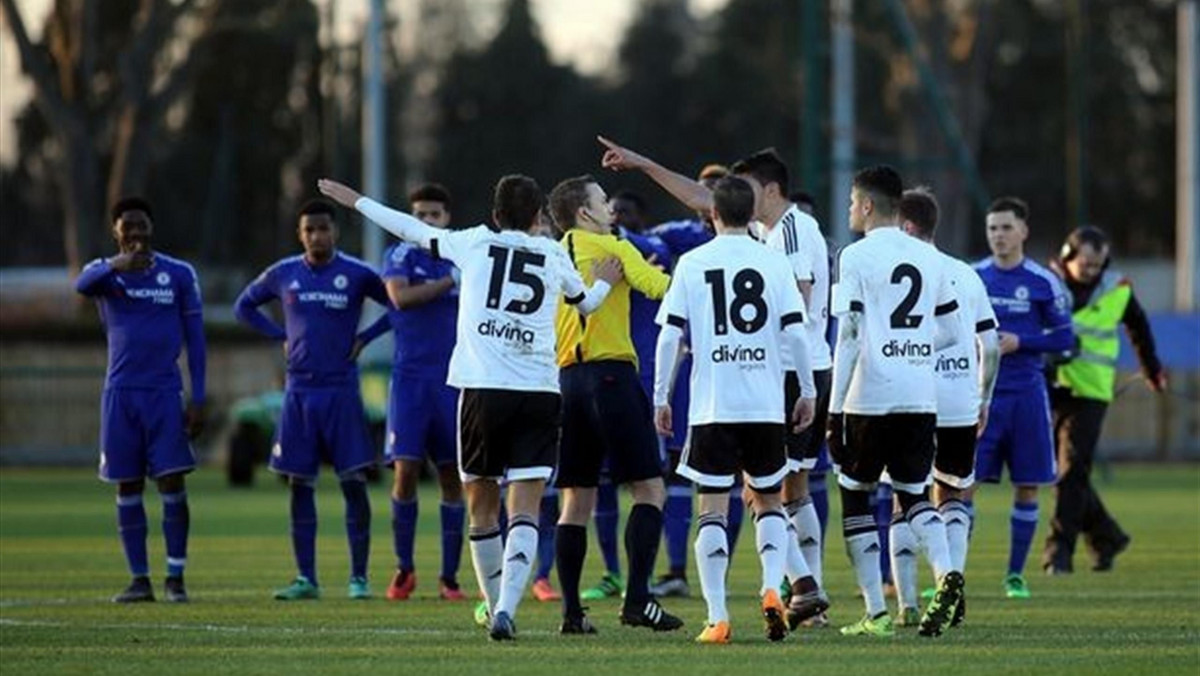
(421,420)
(321,424)
(1018,434)
(141,435)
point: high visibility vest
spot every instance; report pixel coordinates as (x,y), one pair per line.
(1093,372)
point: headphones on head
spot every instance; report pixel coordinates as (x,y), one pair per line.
(1087,234)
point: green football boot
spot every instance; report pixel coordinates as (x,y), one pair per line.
(610,585)
(940,610)
(880,626)
(482,617)
(299,589)
(909,617)
(1015,586)
(358,589)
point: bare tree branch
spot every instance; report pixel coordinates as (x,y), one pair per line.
(35,65)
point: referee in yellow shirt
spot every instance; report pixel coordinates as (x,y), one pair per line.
(605,411)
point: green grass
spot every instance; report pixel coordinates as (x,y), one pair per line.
(60,561)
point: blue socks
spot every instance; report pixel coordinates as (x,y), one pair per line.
(131,522)
(454,515)
(606,516)
(677,521)
(404,531)
(1024,521)
(175,521)
(883,519)
(304,530)
(819,493)
(358,524)
(547,527)
(737,512)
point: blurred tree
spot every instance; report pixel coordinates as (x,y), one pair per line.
(507,108)
(104,75)
(248,108)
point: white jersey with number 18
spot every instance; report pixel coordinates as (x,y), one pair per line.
(734,298)
(898,284)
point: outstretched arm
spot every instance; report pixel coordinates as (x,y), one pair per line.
(396,222)
(693,194)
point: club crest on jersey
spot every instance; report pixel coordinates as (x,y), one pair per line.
(509,333)
(339,282)
(163,279)
(907,350)
(1021,293)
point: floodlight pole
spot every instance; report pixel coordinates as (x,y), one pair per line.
(374,128)
(1187,185)
(842,160)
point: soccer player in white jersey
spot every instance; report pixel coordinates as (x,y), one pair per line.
(966,374)
(739,305)
(895,310)
(784,227)
(504,365)
(787,229)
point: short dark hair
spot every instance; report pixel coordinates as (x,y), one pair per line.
(130,204)
(803,197)
(517,201)
(431,192)
(316,207)
(631,196)
(1077,238)
(884,185)
(1013,204)
(920,207)
(567,198)
(766,167)
(733,200)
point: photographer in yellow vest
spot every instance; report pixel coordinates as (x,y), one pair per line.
(1102,299)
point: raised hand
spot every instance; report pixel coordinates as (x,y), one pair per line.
(338,192)
(130,260)
(619,158)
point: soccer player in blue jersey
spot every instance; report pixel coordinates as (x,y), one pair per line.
(421,406)
(1034,314)
(150,306)
(322,293)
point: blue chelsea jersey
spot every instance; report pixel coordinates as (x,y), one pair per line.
(424,335)
(1032,303)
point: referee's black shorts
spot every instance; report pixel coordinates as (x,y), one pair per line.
(606,415)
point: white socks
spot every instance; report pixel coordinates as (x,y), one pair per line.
(712,559)
(487,555)
(771,537)
(519,553)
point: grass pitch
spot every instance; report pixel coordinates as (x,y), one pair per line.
(60,561)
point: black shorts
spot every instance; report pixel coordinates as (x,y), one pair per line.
(606,416)
(804,448)
(901,443)
(954,462)
(507,433)
(718,452)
